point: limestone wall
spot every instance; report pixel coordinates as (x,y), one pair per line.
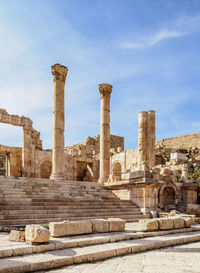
(180,142)
(13,161)
(91,146)
(128,160)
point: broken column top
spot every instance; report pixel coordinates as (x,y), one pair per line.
(151,111)
(59,72)
(105,89)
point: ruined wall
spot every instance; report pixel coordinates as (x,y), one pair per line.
(180,142)
(91,146)
(128,160)
(2,165)
(13,161)
(31,141)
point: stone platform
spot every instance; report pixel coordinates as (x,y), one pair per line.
(20,257)
(36,201)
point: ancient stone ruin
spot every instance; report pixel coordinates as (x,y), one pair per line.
(152,177)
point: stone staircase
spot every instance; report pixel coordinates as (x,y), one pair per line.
(38,201)
(19,257)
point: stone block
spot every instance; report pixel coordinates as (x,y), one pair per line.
(176,172)
(178,222)
(178,156)
(148,225)
(193,209)
(155,170)
(67,228)
(165,223)
(173,178)
(100,225)
(36,234)
(167,178)
(116,224)
(156,176)
(188,221)
(166,171)
(17,236)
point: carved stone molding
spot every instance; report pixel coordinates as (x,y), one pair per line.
(59,72)
(105,89)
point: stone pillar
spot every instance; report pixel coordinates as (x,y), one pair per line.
(58,163)
(142,138)
(151,139)
(105,92)
(146,139)
(27,151)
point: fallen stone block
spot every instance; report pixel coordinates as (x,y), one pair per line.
(17,236)
(193,209)
(148,225)
(100,225)
(165,223)
(67,228)
(178,222)
(116,224)
(36,234)
(188,221)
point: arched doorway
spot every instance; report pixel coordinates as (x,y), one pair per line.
(167,197)
(116,171)
(45,169)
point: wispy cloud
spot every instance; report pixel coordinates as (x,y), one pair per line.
(156,38)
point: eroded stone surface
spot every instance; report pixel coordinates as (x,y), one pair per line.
(67,228)
(100,225)
(17,236)
(116,224)
(36,234)
(148,224)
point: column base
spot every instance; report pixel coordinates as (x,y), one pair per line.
(57,176)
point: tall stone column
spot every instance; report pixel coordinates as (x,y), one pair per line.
(142,138)
(146,139)
(151,139)
(105,92)
(58,163)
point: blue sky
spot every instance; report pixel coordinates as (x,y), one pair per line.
(148,50)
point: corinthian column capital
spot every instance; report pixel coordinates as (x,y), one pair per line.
(59,72)
(105,89)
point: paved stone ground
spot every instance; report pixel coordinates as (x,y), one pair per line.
(182,258)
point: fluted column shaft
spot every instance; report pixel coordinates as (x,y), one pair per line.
(105,92)
(58,163)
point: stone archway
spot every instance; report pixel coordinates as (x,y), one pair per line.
(167,197)
(31,140)
(45,169)
(116,171)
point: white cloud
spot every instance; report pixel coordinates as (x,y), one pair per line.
(154,39)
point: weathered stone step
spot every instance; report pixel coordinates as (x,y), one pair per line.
(69,215)
(58,258)
(19,222)
(68,204)
(9,249)
(64,207)
(67,210)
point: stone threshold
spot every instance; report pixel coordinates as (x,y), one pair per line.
(69,256)
(9,249)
